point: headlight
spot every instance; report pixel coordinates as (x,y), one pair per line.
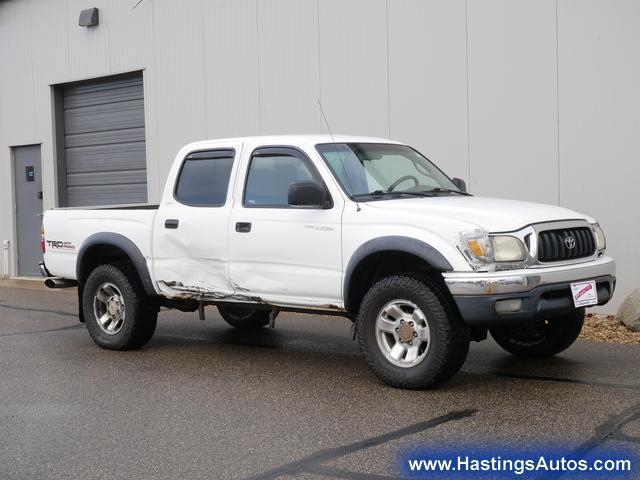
(477,247)
(508,249)
(601,241)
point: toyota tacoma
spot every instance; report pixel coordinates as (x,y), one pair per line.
(366,228)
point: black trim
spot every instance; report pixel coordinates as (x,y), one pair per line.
(126,207)
(543,302)
(205,154)
(285,150)
(393,243)
(124,244)
(243,227)
(281,308)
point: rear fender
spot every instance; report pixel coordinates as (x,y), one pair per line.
(122,243)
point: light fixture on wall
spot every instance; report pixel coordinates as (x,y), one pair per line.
(89,17)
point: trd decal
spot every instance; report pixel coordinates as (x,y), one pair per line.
(60,245)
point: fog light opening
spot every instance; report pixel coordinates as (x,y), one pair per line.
(509,306)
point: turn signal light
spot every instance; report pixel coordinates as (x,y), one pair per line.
(476,248)
(42,242)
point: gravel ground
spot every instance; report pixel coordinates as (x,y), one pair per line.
(607,328)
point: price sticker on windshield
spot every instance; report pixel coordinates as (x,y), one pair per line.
(584,293)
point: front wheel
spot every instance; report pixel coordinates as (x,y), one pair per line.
(117,314)
(540,338)
(410,334)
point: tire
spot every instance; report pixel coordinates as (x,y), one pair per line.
(441,338)
(244,318)
(540,338)
(130,316)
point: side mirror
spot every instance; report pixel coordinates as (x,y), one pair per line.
(460,184)
(306,194)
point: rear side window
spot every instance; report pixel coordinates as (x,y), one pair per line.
(271,172)
(204,178)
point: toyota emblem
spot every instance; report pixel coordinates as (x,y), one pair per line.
(570,242)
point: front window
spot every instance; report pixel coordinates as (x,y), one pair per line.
(376,169)
(271,172)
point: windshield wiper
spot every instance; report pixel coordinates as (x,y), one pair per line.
(447,190)
(386,193)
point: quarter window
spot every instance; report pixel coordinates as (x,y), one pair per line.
(204,178)
(271,172)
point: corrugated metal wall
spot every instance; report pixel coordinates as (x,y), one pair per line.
(526,99)
(105,156)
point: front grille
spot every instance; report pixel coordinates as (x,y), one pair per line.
(556,245)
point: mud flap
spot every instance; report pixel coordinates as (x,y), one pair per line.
(80,309)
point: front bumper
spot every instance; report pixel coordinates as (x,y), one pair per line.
(543,292)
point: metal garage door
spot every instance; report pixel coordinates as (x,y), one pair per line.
(104,142)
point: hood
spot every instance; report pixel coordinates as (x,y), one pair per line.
(492,214)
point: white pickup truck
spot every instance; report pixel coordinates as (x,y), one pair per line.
(361,227)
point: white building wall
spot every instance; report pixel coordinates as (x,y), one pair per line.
(513,122)
(527,99)
(428,80)
(599,112)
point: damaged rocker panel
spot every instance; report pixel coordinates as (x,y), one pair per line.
(178,291)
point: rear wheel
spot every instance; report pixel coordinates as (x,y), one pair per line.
(410,334)
(117,314)
(540,338)
(244,318)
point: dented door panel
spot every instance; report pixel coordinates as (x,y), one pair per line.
(190,240)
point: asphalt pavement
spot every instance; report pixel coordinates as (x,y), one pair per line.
(203,401)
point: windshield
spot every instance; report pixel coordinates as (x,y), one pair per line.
(382,168)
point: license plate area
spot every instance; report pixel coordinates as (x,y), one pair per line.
(584,293)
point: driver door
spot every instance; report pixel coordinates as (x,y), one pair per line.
(281,253)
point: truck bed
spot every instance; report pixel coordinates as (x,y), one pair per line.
(66,229)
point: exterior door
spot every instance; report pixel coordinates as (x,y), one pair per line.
(190,233)
(280,253)
(28,197)
(104,141)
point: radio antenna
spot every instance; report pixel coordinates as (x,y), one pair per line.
(333,140)
(325,120)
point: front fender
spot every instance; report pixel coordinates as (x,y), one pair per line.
(394,243)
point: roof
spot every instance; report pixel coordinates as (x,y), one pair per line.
(311,139)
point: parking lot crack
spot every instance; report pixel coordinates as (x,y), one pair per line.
(42,310)
(611,429)
(541,378)
(323,456)
(50,330)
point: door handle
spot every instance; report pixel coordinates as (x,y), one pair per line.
(171,223)
(243,227)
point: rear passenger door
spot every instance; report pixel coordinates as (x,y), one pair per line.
(281,253)
(190,235)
